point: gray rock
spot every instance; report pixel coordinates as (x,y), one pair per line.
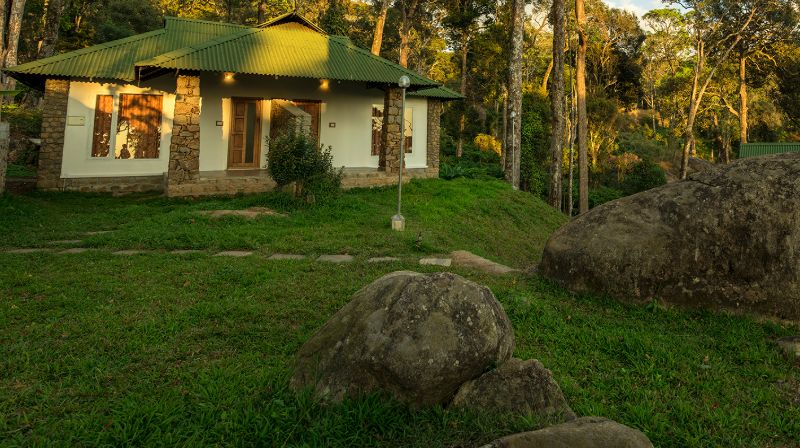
(417,337)
(726,238)
(519,387)
(586,432)
(234,253)
(383,260)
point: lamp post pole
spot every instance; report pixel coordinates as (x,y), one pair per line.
(398,221)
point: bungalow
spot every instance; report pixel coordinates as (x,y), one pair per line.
(128,115)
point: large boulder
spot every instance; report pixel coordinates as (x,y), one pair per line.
(519,387)
(728,238)
(586,432)
(415,336)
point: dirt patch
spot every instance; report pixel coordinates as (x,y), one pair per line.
(467,259)
(248,213)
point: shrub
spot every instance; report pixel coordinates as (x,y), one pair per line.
(450,172)
(644,176)
(295,158)
(601,195)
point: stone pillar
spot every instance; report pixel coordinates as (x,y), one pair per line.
(184,148)
(54,122)
(434,132)
(391,131)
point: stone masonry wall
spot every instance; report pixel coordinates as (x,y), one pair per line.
(54,121)
(184,149)
(118,185)
(434,132)
(389,159)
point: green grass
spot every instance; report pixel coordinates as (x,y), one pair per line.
(196,350)
(485,217)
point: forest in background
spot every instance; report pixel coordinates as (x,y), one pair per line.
(694,78)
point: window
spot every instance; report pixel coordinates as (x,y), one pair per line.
(138,127)
(377,126)
(101,134)
(295,116)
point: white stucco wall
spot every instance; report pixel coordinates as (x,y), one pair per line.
(348,105)
(78,161)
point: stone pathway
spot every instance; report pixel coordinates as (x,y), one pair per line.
(249,213)
(458,258)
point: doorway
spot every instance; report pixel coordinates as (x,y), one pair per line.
(244,144)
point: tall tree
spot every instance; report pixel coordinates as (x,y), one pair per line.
(712,44)
(380,23)
(517,36)
(583,119)
(14,26)
(558,20)
(51,24)
(408,11)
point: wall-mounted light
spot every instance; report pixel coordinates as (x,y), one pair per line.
(228,76)
(324,85)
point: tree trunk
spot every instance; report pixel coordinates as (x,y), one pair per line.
(546,78)
(50,28)
(583,120)
(14,26)
(515,90)
(377,36)
(463,118)
(262,11)
(743,97)
(559,23)
(408,10)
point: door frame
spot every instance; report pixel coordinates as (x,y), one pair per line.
(256,132)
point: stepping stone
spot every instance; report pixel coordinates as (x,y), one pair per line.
(27,250)
(129,252)
(790,345)
(65,242)
(336,258)
(74,250)
(185,252)
(446,262)
(383,260)
(467,259)
(286,257)
(234,253)
(98,232)
(249,213)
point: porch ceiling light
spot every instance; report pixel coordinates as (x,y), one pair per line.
(228,76)
(324,85)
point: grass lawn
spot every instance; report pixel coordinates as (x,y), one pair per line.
(194,350)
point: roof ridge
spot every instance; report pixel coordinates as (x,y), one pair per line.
(86,50)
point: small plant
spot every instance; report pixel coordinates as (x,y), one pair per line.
(294,158)
(450,172)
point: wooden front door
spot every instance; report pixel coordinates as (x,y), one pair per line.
(244,144)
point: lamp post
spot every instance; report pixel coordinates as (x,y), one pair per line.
(514,171)
(398,221)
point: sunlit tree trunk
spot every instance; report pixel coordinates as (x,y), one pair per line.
(408,10)
(559,23)
(262,11)
(583,119)
(50,28)
(515,91)
(14,26)
(743,125)
(377,36)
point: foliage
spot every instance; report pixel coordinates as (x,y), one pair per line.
(296,158)
(488,143)
(644,176)
(535,142)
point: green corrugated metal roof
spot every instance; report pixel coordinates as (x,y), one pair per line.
(762,149)
(441,92)
(116,59)
(286,49)
(288,45)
